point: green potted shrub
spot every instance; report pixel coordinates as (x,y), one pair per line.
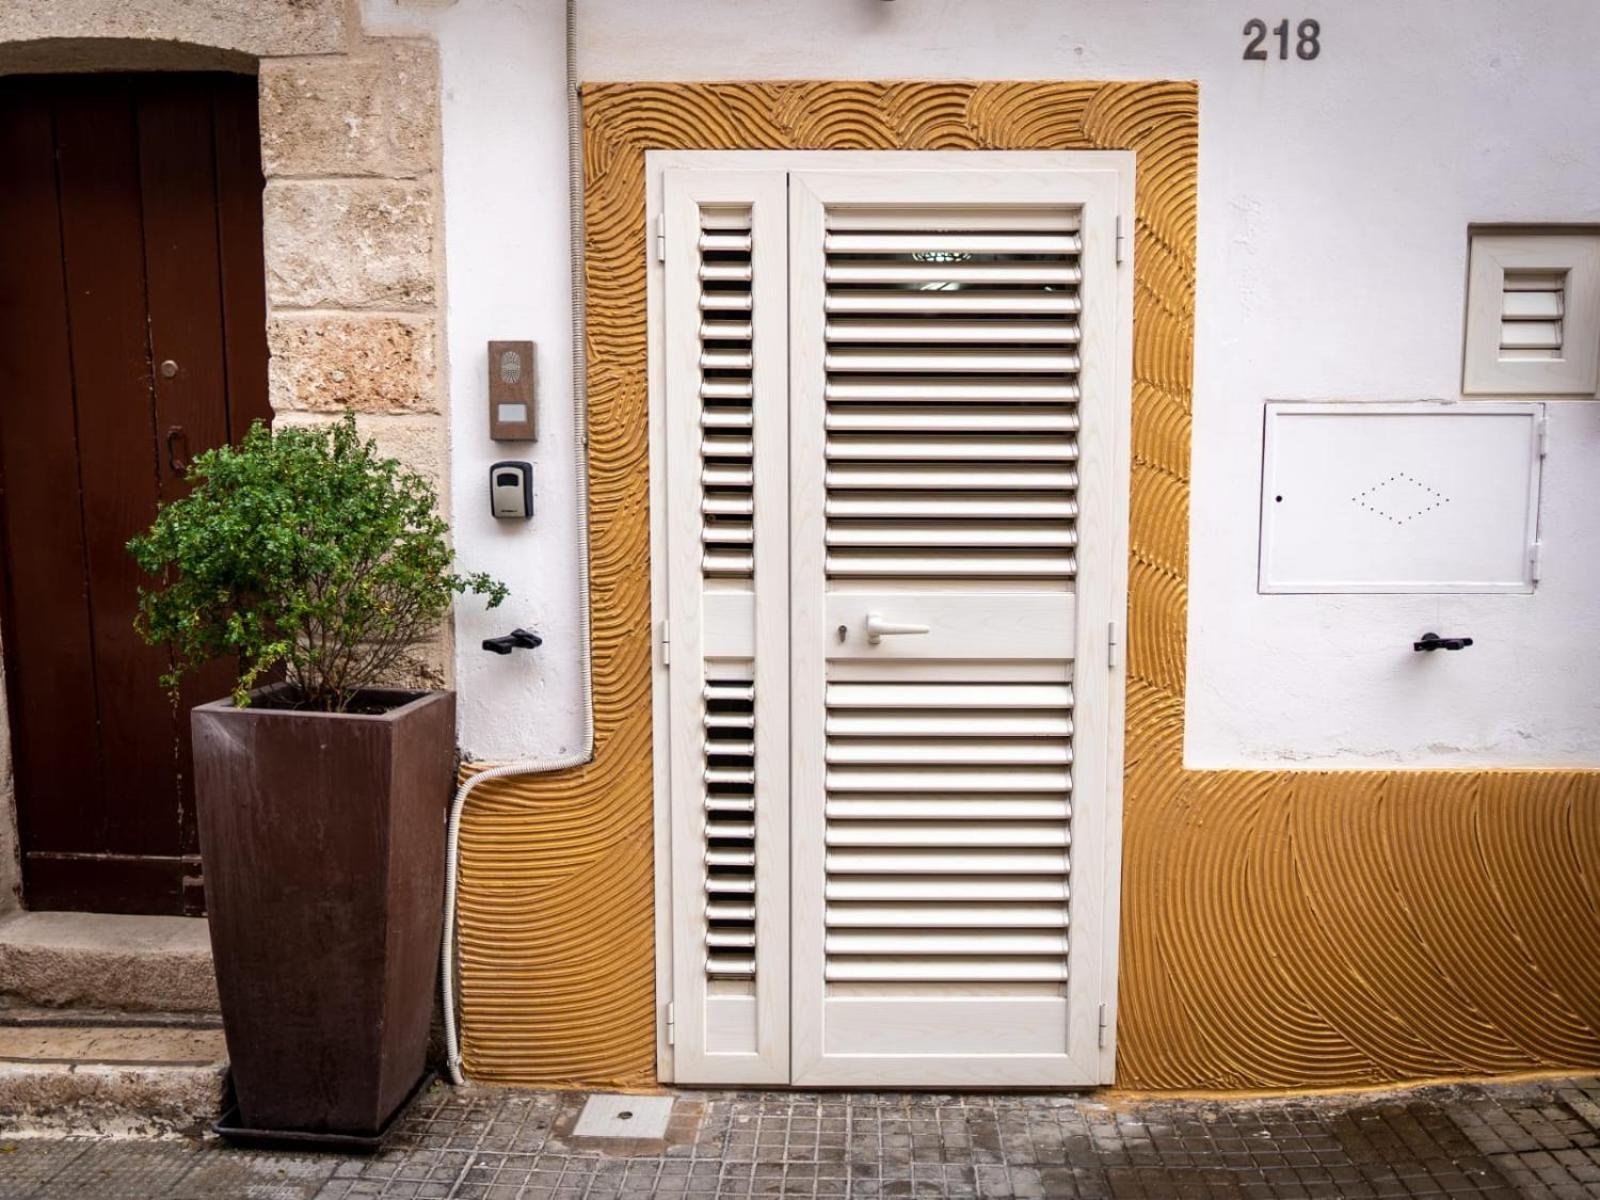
(317,565)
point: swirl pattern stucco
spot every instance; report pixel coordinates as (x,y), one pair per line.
(1279,929)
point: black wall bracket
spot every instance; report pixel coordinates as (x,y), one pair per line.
(517,639)
(1432,641)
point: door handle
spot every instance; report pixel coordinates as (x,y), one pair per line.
(878,628)
(177,450)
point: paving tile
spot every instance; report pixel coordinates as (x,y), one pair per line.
(120,1170)
(25,1165)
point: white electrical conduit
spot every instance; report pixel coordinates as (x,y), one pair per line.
(580,422)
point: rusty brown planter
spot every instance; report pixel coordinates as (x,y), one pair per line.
(323,838)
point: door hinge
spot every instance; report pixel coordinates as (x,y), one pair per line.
(1119,239)
(672,1023)
(661,237)
(1103,1025)
(1535,549)
(666,644)
(1113,645)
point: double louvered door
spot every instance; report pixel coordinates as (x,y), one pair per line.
(893,575)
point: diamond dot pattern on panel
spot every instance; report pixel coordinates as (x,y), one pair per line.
(1400,498)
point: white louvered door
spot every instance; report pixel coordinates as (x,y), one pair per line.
(727,601)
(896,538)
(950,335)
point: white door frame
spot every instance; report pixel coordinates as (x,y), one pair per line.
(1093,644)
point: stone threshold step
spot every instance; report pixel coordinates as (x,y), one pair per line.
(106,961)
(122,1079)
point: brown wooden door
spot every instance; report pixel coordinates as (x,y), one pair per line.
(132,336)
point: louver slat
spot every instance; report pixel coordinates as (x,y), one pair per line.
(867,723)
(925,245)
(913,834)
(945,274)
(966,302)
(934,891)
(1006,861)
(962,391)
(1002,359)
(953,568)
(734,240)
(921,942)
(888,506)
(992,969)
(997,332)
(947,916)
(928,476)
(884,752)
(933,448)
(909,418)
(725,301)
(1010,778)
(727,331)
(951,533)
(912,697)
(946,808)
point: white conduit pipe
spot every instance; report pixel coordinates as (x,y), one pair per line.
(580,425)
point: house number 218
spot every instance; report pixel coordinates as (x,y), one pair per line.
(1307,44)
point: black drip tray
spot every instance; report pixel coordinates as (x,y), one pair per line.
(352,1143)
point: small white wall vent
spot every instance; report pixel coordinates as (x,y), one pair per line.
(1533,314)
(1419,497)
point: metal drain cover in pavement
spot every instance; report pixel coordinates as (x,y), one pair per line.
(611,1116)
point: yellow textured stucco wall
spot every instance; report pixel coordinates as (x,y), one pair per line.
(1305,929)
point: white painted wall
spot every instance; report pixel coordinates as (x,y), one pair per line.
(507,277)
(1334,202)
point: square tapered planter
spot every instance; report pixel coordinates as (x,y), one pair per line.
(323,838)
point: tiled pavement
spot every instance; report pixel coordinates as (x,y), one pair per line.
(1537,1139)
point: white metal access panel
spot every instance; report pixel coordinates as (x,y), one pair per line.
(890,399)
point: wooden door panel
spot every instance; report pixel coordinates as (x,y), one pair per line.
(177,178)
(109,883)
(44,552)
(244,297)
(142,195)
(98,159)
